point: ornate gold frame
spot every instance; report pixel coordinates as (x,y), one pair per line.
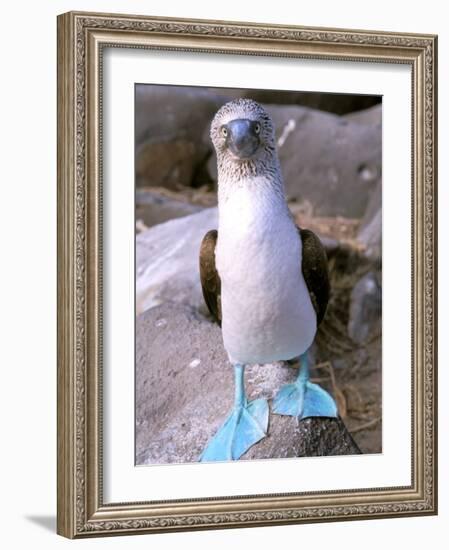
(81,37)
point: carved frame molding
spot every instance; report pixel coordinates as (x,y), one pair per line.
(81,39)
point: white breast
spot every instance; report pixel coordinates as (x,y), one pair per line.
(267,314)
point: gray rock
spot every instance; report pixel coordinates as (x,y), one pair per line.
(170,124)
(371,116)
(153,208)
(332,162)
(374,204)
(365,308)
(167,261)
(170,163)
(184,391)
(370,236)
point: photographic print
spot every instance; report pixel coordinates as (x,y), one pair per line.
(258,277)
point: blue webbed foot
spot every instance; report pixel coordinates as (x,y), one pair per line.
(304,399)
(245,426)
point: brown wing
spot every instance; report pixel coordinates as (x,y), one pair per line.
(315,271)
(210,280)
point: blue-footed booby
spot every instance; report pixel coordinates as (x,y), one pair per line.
(264,280)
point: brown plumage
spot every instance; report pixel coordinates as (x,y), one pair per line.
(210,280)
(314,271)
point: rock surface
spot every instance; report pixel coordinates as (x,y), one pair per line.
(365,308)
(330,162)
(170,123)
(370,236)
(371,116)
(153,208)
(167,261)
(184,391)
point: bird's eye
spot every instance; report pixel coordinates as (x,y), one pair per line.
(224,131)
(257,128)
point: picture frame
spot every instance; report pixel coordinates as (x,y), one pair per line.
(82,41)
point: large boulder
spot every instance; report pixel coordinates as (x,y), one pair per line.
(170,124)
(371,116)
(167,256)
(370,236)
(365,310)
(185,389)
(327,160)
(154,207)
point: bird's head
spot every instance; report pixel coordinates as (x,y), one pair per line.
(242,132)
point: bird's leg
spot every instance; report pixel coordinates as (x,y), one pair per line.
(246,425)
(303,399)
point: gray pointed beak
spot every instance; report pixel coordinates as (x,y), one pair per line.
(243,139)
